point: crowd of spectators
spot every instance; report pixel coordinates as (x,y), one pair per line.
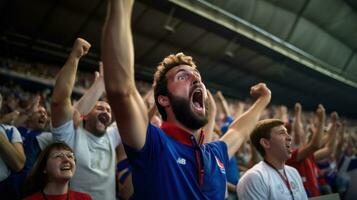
(172,139)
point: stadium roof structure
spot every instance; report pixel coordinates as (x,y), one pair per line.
(305,50)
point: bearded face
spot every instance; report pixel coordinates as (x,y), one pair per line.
(184,113)
(98,119)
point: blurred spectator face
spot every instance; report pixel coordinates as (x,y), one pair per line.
(38,119)
(60,165)
(99,118)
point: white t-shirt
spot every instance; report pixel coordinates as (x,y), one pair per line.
(263,182)
(44,139)
(16,138)
(95,159)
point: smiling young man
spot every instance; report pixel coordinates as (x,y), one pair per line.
(169,162)
(271,178)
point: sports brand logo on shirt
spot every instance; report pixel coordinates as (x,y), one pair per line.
(294,186)
(220,165)
(181,161)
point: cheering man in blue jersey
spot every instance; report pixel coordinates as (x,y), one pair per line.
(168,162)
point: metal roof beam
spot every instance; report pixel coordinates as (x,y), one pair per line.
(266,40)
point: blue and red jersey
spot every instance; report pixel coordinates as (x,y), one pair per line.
(173,165)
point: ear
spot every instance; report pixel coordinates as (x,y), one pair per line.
(265,143)
(163,100)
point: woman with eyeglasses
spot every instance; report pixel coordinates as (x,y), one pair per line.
(50,176)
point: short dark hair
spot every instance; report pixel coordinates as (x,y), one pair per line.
(263,130)
(160,81)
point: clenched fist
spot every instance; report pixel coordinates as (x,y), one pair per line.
(80,48)
(260,90)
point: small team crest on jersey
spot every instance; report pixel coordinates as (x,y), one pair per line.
(220,165)
(293,186)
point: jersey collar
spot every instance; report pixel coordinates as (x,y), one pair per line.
(181,135)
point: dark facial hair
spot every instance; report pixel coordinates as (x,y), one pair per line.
(184,114)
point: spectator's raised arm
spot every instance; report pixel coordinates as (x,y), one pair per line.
(314,144)
(328,148)
(298,129)
(118,58)
(241,127)
(86,103)
(224,104)
(212,110)
(12,152)
(61,104)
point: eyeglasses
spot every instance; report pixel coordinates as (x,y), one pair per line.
(61,155)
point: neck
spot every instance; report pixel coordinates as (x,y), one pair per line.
(93,131)
(56,188)
(278,164)
(195,133)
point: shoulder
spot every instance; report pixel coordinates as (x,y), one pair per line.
(260,174)
(292,171)
(66,126)
(256,174)
(254,184)
(217,145)
(217,148)
(11,132)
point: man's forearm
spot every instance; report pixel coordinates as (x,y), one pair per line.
(90,97)
(118,54)
(14,159)
(317,136)
(65,80)
(241,128)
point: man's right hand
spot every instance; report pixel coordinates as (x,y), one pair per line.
(260,90)
(80,48)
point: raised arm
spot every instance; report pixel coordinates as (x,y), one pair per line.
(61,98)
(241,127)
(118,57)
(212,111)
(12,153)
(328,148)
(240,109)
(150,103)
(298,129)
(314,144)
(224,104)
(340,142)
(86,103)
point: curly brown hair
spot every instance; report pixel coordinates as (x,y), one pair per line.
(160,80)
